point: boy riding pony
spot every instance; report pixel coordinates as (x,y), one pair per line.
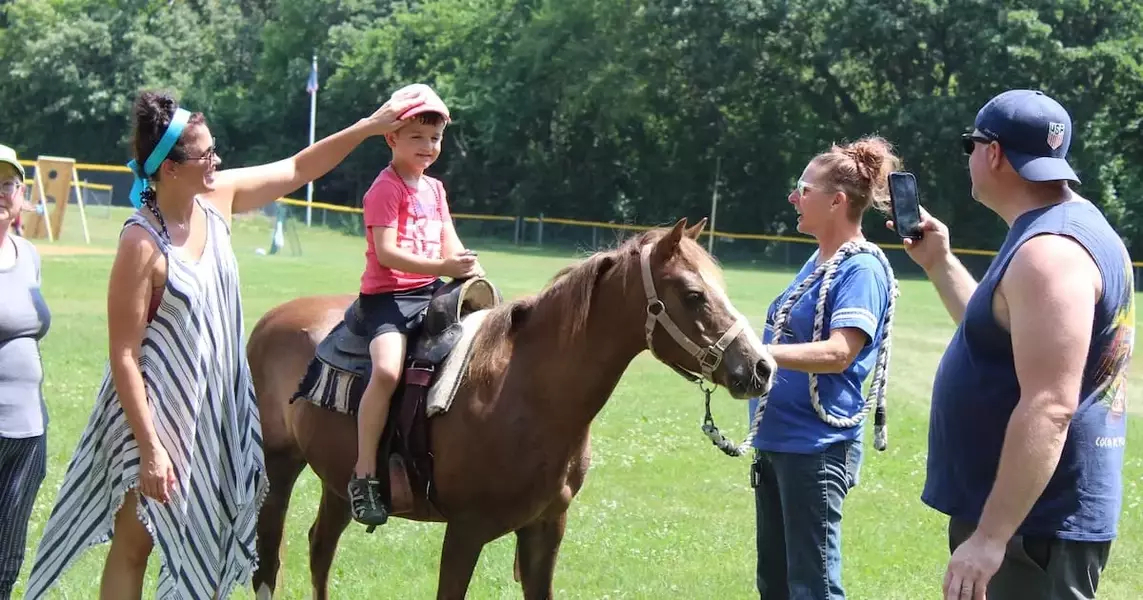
(410,244)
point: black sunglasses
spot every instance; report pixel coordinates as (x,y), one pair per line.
(968,142)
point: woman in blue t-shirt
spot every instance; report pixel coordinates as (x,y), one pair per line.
(808,445)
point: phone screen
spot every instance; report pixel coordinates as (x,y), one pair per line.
(906,204)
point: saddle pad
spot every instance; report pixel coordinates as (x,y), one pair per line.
(448,375)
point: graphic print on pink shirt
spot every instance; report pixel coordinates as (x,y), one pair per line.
(418,216)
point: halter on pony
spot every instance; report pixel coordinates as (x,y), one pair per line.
(708,358)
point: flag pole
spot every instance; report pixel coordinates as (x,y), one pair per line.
(313,119)
(714,203)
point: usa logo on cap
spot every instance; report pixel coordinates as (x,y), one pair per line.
(1055,135)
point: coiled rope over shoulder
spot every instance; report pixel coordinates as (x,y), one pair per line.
(825,272)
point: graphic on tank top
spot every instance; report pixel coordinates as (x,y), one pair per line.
(1111,372)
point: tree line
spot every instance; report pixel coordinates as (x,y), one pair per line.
(613,110)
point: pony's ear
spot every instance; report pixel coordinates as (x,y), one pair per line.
(693,232)
(521,310)
(603,266)
(667,244)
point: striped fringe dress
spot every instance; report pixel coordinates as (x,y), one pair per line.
(202,403)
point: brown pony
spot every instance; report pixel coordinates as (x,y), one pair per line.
(514,448)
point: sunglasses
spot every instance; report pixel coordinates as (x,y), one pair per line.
(802,187)
(210,153)
(968,142)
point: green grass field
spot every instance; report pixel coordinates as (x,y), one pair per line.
(664,514)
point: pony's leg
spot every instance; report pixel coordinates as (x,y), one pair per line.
(459,554)
(282,468)
(537,546)
(332,518)
(516,563)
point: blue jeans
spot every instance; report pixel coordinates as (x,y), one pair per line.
(798,500)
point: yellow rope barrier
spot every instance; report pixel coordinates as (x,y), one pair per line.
(553,220)
(629,227)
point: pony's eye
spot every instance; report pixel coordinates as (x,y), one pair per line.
(695,298)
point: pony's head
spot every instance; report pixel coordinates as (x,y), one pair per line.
(690,323)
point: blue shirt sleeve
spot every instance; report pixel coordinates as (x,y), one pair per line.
(859,295)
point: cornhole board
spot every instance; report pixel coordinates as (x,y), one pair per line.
(54,180)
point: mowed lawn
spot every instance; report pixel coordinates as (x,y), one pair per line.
(664,514)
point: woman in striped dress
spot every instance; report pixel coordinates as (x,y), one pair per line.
(172,456)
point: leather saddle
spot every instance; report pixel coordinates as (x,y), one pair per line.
(346,347)
(341,369)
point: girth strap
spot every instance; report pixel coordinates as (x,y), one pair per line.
(413,428)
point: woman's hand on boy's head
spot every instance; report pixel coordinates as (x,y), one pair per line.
(387,119)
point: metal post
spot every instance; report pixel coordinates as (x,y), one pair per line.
(313,119)
(714,203)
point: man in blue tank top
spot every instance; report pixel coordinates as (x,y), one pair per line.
(1028,418)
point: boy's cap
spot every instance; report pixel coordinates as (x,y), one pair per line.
(8,155)
(432,103)
(1034,130)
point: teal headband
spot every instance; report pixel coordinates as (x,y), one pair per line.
(158,155)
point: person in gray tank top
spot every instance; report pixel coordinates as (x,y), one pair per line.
(24,320)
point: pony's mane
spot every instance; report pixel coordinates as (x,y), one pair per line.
(569,293)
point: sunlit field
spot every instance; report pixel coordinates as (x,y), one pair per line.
(664,514)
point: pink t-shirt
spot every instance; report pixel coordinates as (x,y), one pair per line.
(419,217)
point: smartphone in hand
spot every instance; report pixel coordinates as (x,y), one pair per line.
(906,204)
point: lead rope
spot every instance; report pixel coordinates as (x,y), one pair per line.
(825,273)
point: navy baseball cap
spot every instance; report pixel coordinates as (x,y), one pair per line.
(1034,131)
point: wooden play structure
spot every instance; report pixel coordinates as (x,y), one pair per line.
(52,183)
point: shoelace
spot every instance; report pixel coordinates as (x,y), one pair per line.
(359,496)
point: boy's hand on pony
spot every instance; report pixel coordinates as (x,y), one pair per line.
(462,266)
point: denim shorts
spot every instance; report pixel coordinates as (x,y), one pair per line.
(401,311)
